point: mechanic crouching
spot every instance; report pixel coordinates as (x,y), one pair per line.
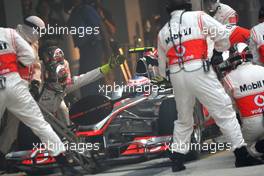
(245,84)
(182,46)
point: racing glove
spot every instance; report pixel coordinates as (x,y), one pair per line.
(217,58)
(159,80)
(62,76)
(34,89)
(113,61)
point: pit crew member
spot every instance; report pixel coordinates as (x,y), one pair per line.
(31,73)
(257,40)
(244,82)
(182,45)
(15,96)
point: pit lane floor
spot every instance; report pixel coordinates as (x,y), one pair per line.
(220,164)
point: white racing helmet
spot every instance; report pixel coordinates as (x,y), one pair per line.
(31,28)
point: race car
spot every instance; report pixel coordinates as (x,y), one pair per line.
(135,120)
(139,124)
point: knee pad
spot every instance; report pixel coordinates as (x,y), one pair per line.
(260,146)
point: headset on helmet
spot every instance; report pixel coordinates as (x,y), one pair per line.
(173,5)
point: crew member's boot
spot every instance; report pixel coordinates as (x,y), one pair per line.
(177,161)
(260,148)
(3,165)
(243,158)
(66,168)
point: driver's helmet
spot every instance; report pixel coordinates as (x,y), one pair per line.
(211,6)
(55,65)
(52,57)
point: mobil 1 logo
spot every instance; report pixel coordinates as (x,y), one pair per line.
(252,86)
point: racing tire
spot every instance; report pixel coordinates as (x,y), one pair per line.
(167,115)
(196,137)
(195,153)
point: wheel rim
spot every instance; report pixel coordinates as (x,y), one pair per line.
(197,134)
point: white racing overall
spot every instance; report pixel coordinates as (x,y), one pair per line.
(257,44)
(15,96)
(193,82)
(246,85)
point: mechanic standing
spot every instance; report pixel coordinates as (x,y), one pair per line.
(245,84)
(182,46)
(15,96)
(257,40)
(32,74)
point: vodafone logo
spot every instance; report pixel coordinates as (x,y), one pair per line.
(181,50)
(259,100)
